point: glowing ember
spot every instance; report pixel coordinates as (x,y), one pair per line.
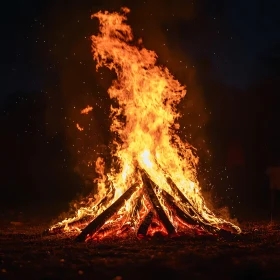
(152,185)
(79,127)
(86,110)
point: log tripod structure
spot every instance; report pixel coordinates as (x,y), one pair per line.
(189,215)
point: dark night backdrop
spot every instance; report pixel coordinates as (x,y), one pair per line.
(227,52)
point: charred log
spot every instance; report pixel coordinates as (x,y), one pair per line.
(156,204)
(177,210)
(97,223)
(142,231)
(183,209)
(185,217)
(191,209)
(198,217)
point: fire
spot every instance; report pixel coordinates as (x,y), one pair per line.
(86,110)
(153,170)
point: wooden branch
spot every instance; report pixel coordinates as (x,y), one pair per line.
(186,217)
(100,220)
(142,231)
(156,204)
(192,211)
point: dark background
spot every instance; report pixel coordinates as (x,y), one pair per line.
(227,52)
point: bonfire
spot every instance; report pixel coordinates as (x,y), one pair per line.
(151,186)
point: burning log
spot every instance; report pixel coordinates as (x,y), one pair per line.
(192,216)
(137,208)
(99,221)
(193,213)
(156,204)
(84,220)
(177,210)
(186,217)
(143,229)
(60,229)
(195,216)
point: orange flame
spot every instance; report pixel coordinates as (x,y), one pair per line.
(147,95)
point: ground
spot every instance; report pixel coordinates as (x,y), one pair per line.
(26,254)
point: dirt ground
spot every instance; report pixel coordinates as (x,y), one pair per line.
(26,254)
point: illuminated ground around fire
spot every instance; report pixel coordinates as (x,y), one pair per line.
(23,251)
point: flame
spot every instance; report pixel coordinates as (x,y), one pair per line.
(145,122)
(86,110)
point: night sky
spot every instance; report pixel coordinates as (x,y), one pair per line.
(234,34)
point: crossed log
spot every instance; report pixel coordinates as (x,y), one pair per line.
(188,215)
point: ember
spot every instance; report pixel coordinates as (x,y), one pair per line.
(86,110)
(79,127)
(152,185)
